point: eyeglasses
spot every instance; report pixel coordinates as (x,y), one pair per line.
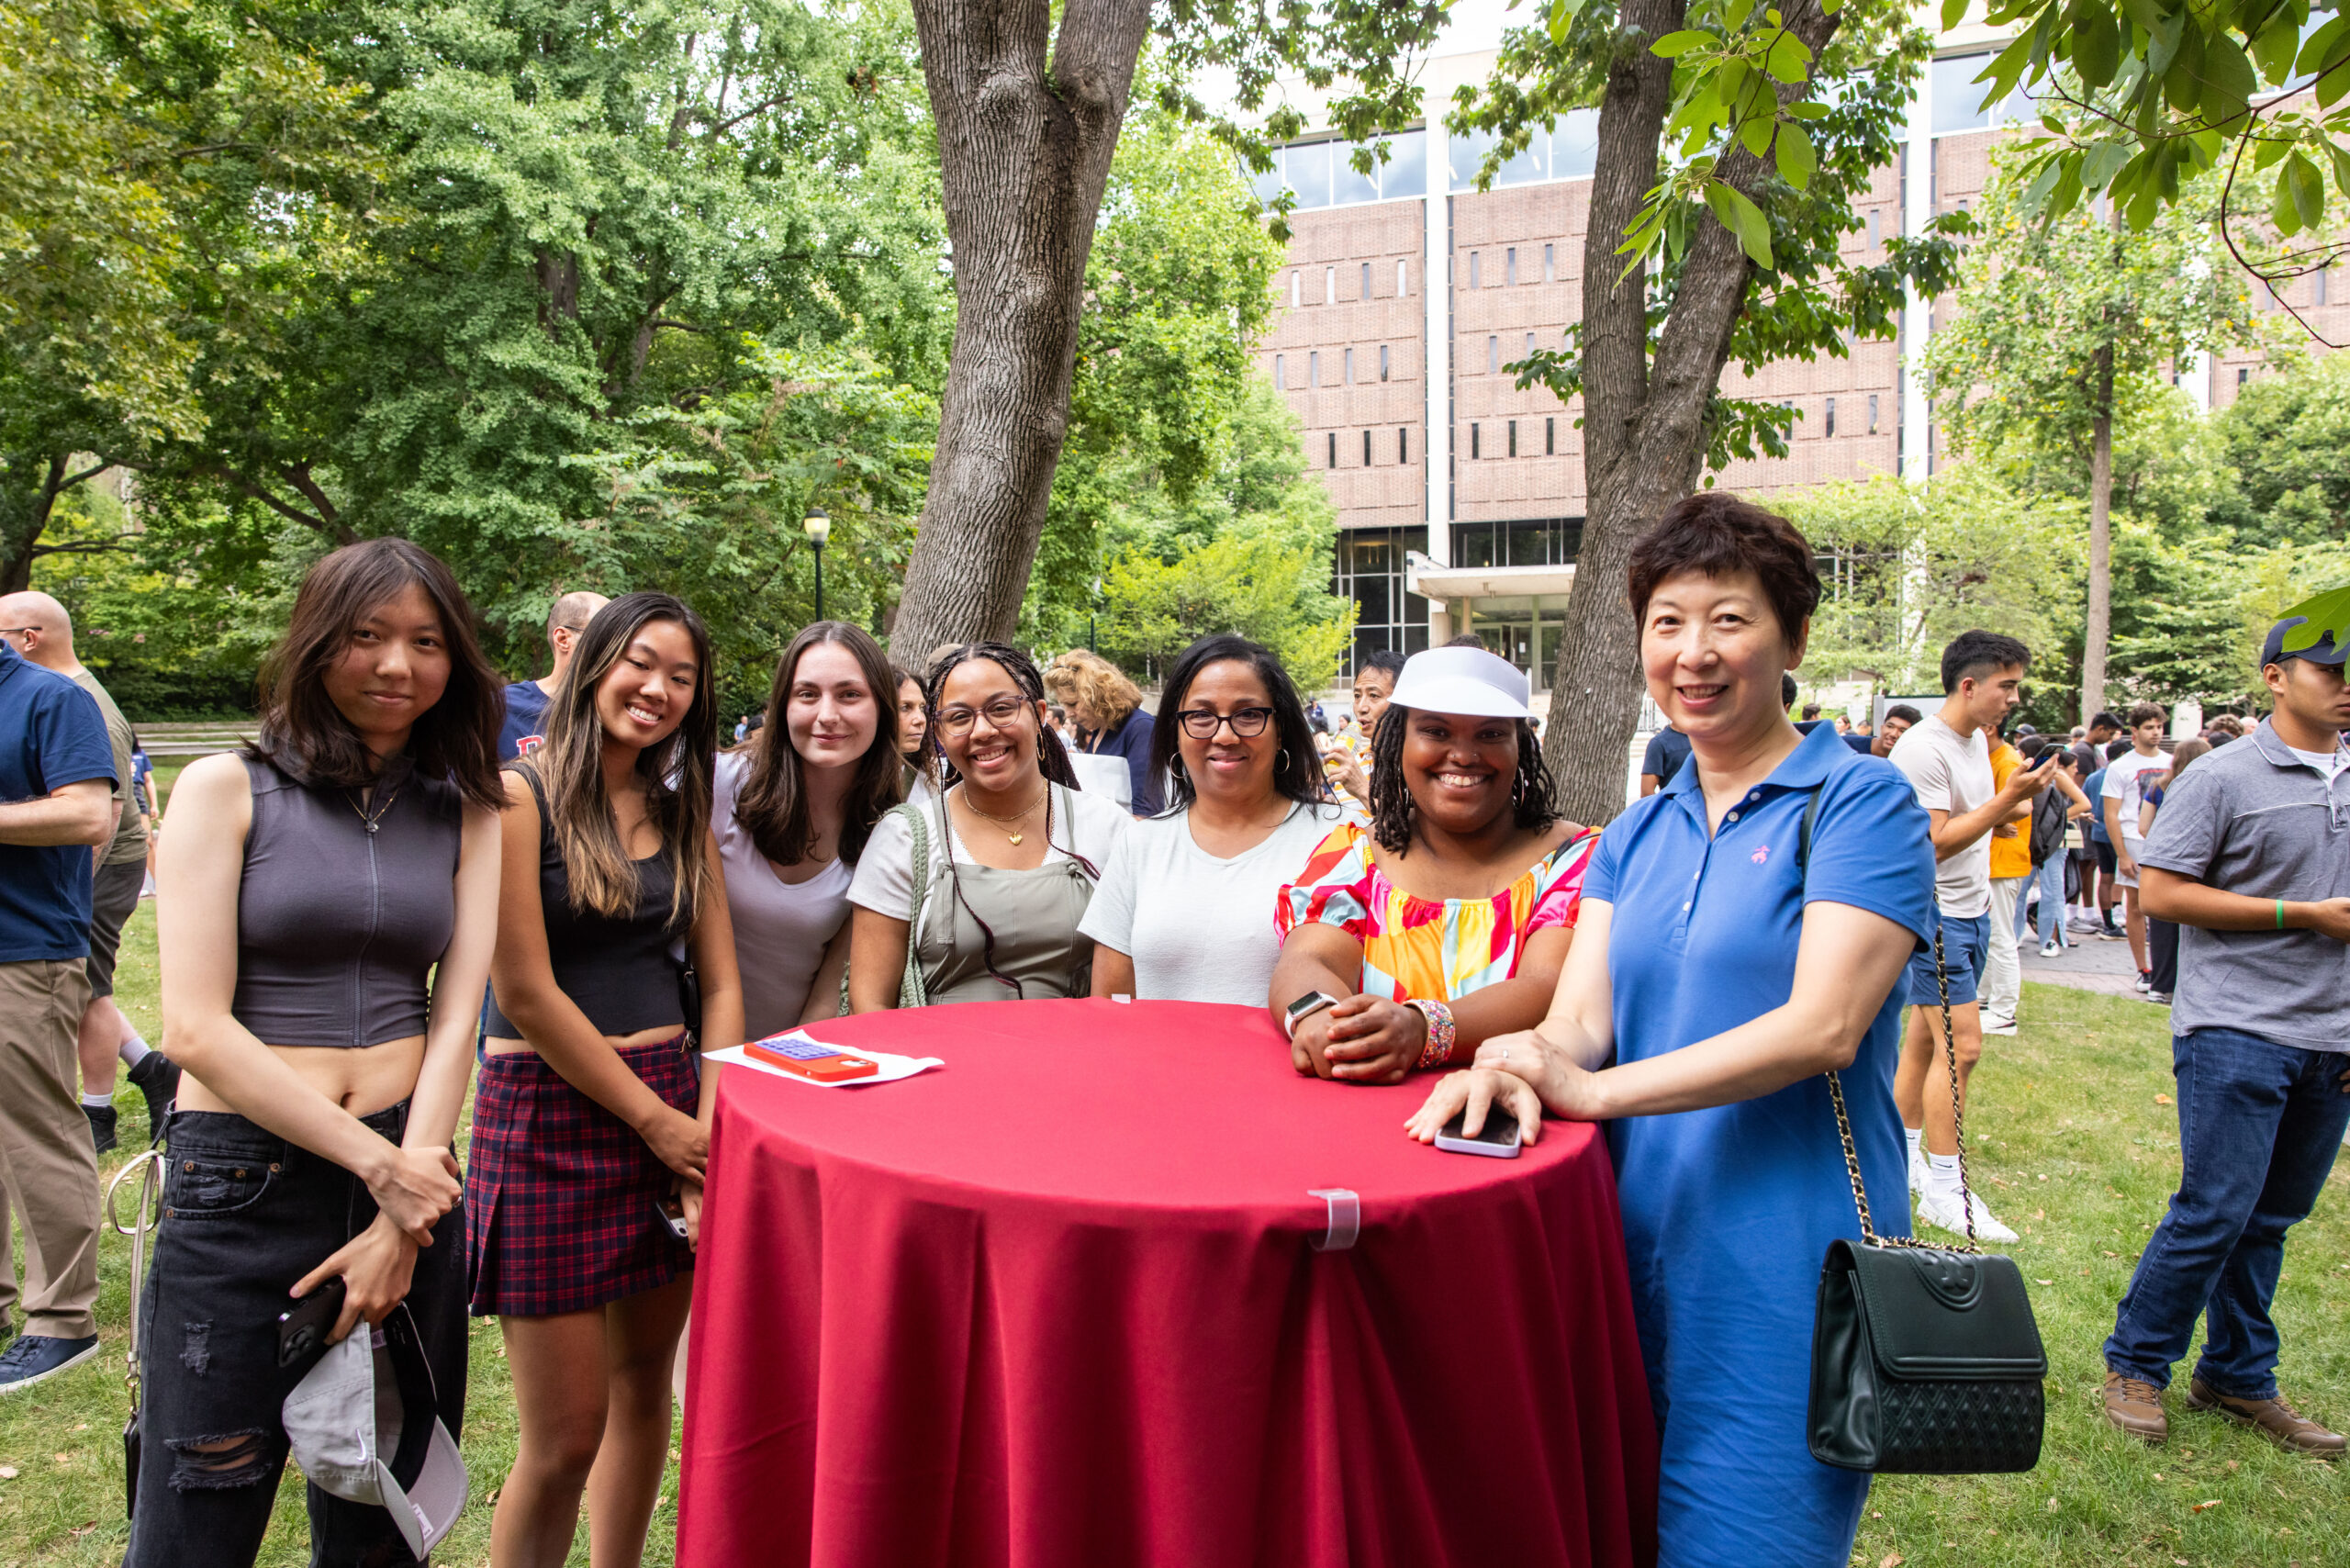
(1003,713)
(1202,723)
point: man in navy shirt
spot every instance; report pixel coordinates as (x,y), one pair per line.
(526,701)
(57,785)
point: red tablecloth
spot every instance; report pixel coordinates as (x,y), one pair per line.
(1053,1306)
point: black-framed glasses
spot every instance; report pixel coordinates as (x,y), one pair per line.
(1002,713)
(1202,723)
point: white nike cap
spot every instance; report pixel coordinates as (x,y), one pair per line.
(1463,680)
(365,1425)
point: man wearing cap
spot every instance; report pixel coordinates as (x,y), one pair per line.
(2251,857)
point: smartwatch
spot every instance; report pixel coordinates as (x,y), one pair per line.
(1305,1007)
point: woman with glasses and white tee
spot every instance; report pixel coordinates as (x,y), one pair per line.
(1008,855)
(1184,912)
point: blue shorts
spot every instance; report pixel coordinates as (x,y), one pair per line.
(1966,948)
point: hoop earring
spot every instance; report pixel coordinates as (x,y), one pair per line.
(1283,760)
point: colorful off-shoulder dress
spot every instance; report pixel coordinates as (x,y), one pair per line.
(1431,949)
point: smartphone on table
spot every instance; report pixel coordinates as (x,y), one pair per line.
(811,1059)
(1499,1138)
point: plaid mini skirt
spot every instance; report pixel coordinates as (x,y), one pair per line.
(561,1195)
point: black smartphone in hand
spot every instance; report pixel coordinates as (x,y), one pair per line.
(303,1328)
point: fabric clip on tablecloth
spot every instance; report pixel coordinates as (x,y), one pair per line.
(1344,1221)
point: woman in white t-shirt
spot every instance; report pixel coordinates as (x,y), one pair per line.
(1185,909)
(976,894)
(793,811)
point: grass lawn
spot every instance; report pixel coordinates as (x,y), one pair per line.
(2077,1145)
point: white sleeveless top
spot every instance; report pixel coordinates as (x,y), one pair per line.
(780,928)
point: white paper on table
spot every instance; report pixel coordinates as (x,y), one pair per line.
(892,1066)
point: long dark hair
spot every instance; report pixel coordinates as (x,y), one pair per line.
(1297,776)
(304,735)
(676,773)
(1052,761)
(1392,808)
(773,800)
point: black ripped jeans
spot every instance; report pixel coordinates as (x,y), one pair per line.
(245,1216)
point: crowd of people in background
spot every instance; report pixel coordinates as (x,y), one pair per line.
(564,895)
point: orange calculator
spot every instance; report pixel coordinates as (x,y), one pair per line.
(811,1059)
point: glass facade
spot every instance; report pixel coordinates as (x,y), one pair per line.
(1536,541)
(1570,151)
(1322,173)
(1371,572)
(1526,630)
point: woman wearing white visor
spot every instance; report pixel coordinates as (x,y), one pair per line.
(1447,919)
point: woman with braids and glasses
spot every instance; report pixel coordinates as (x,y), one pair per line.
(1447,920)
(585,1118)
(1172,919)
(1008,855)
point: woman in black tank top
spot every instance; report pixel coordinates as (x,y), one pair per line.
(326,910)
(584,1126)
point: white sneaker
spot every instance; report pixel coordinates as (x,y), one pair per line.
(1941,1212)
(2050,949)
(1993,1023)
(1916,1169)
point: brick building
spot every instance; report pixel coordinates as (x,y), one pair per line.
(1460,498)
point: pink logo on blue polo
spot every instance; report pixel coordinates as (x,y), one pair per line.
(1760,856)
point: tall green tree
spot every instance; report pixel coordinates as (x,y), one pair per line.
(1730,149)
(2285,444)
(2069,325)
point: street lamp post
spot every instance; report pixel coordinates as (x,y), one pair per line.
(819,527)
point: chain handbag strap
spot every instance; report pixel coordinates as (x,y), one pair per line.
(1958,1121)
(148,1168)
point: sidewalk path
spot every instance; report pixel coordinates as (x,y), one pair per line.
(2095,964)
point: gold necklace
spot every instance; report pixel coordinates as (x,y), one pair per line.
(1005,822)
(376,820)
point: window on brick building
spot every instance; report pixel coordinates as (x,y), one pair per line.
(1475,445)
(1472,269)
(1383,362)
(1513,438)
(1875,215)
(1529,345)
(2320,286)
(1366,448)
(1402,279)
(1492,356)
(1827,424)
(1509,266)
(2244,373)
(1402,443)
(1550,265)
(1281,372)
(1329,285)
(1347,370)
(1366,280)
(1872,414)
(1334,449)
(1551,436)
(1313,368)
(1296,290)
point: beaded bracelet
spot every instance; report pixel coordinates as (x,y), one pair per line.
(1439,1042)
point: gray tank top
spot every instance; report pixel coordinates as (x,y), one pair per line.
(341,915)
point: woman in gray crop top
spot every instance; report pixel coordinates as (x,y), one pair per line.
(584,1123)
(326,909)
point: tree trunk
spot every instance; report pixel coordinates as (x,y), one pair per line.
(1025,143)
(1643,422)
(30,483)
(2101,619)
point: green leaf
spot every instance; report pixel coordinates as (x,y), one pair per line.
(1796,158)
(2228,80)
(2283,211)
(1953,13)
(1789,59)
(1808,110)
(1738,12)
(2323,47)
(1672,46)
(2275,46)
(1743,219)
(2100,163)
(1755,133)
(2147,14)
(2307,188)
(2183,82)
(2097,42)
(2326,615)
(2341,162)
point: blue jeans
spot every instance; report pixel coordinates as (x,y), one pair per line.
(2051,877)
(2259,1125)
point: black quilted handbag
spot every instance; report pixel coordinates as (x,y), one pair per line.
(1925,1360)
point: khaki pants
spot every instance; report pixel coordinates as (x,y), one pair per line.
(46,1161)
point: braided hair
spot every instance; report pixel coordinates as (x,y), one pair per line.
(1052,761)
(1392,808)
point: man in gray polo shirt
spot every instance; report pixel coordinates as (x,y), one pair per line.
(2251,857)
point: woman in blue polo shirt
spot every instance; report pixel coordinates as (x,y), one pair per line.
(1724,966)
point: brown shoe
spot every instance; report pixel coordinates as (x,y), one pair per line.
(2135,1406)
(2278,1421)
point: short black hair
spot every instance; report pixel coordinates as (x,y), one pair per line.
(1906,714)
(1466,639)
(1811,711)
(1386,660)
(2108,720)
(1972,652)
(1787,689)
(1296,777)
(1716,534)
